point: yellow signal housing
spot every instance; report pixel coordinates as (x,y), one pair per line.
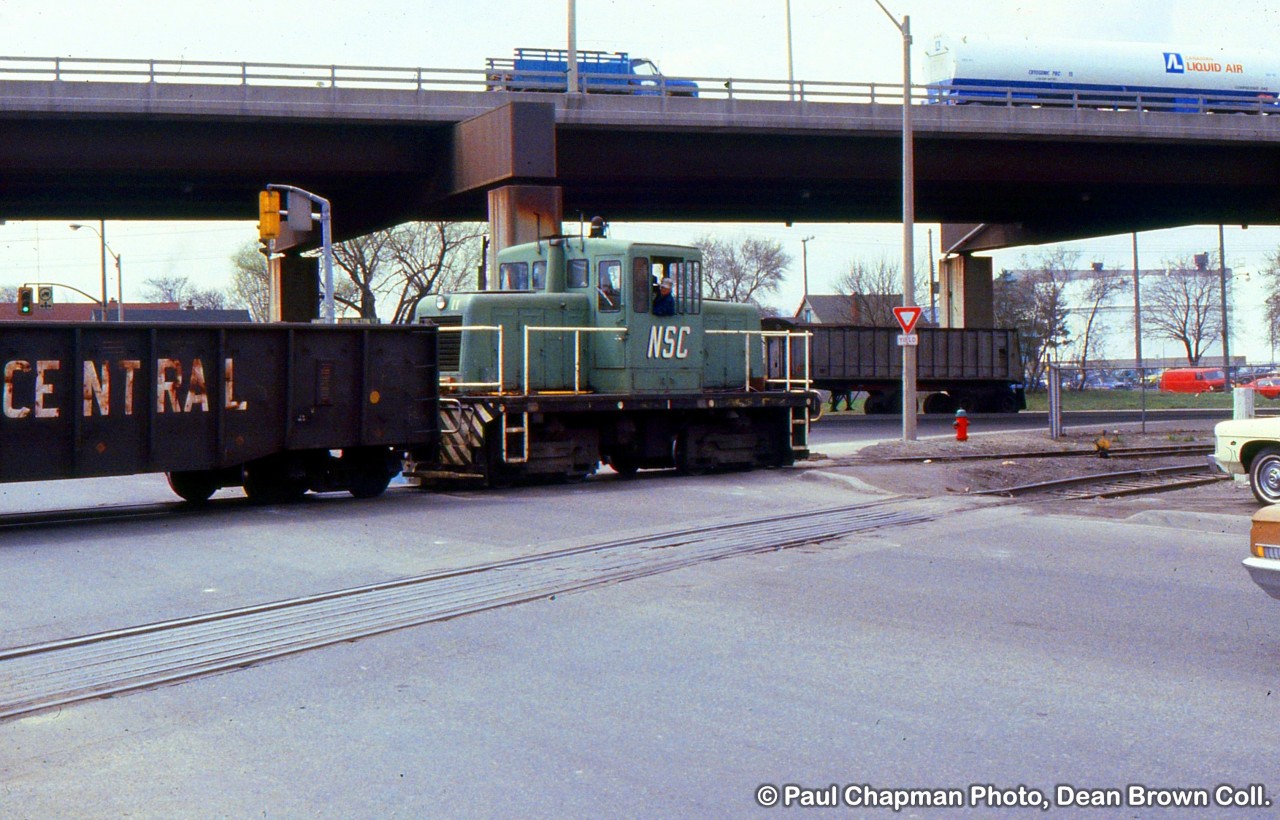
(268,215)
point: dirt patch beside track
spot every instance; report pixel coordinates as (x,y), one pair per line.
(927,473)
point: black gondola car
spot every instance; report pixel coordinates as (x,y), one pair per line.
(277,408)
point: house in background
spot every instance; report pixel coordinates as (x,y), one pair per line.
(865,309)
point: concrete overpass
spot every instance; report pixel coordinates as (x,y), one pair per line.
(124,150)
(996,176)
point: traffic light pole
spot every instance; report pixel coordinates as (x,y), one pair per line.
(28,286)
(327,312)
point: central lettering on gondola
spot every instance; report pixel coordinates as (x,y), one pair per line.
(32,389)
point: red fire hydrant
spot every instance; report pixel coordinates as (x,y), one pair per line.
(962,425)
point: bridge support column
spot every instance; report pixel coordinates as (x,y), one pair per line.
(522,213)
(965,292)
(294,282)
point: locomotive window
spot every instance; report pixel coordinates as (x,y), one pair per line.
(642,287)
(688,277)
(513,275)
(539,274)
(609,285)
(577,273)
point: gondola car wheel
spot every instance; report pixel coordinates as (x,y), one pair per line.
(193,486)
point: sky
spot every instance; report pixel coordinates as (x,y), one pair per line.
(848,40)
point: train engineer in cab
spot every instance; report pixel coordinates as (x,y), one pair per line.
(664,304)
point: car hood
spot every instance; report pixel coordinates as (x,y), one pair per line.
(1249,428)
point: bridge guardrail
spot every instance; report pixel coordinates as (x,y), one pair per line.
(302,75)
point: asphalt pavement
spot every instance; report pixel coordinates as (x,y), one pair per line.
(994,645)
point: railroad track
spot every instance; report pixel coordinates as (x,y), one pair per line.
(1114,484)
(1114,452)
(43,676)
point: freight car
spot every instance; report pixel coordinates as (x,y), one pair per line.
(569,361)
(977,370)
(1112,74)
(278,409)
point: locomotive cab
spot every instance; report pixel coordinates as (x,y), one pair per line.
(564,363)
(576,315)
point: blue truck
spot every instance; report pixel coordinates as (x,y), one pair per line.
(599,72)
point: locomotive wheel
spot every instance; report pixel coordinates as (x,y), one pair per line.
(193,486)
(1264,476)
(684,456)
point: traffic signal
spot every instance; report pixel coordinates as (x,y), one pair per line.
(24,301)
(268,215)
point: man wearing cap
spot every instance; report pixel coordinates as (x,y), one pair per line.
(664,304)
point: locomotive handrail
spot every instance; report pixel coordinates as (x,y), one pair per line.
(465,328)
(789,383)
(577,348)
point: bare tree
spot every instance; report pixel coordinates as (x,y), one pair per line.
(1035,303)
(364,261)
(873,289)
(430,257)
(167,289)
(1101,288)
(746,272)
(250,282)
(180,289)
(1271,305)
(1184,305)
(405,264)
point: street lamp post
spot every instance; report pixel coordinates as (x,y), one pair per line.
(101,231)
(791,76)
(908,227)
(804,267)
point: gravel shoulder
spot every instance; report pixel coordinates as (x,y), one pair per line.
(926,476)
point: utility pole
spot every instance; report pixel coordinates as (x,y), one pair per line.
(791,75)
(933,289)
(573,47)
(908,227)
(1222,281)
(1138,364)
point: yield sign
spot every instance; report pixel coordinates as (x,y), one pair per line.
(907,317)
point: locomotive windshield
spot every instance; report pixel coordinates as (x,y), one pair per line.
(516,276)
(609,285)
(577,273)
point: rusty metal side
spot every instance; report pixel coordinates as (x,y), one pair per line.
(115,399)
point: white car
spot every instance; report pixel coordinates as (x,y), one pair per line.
(1251,447)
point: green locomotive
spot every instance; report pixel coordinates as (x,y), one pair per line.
(590,349)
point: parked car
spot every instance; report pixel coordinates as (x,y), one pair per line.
(1266,386)
(1104,382)
(1193,380)
(1263,562)
(1251,447)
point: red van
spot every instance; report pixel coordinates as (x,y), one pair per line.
(1193,380)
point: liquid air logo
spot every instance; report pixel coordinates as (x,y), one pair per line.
(1173,63)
